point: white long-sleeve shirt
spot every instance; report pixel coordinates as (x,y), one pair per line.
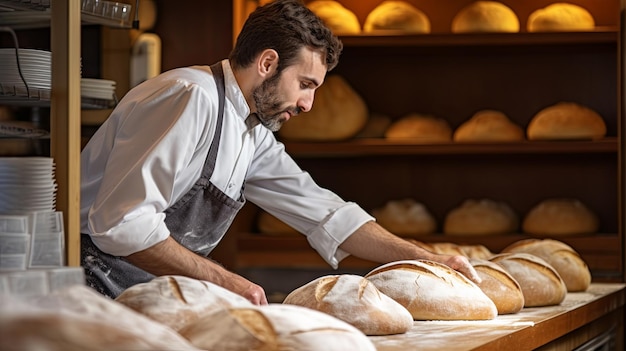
(152,149)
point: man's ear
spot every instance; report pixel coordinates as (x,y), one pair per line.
(267,63)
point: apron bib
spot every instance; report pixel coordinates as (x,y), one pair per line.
(197,221)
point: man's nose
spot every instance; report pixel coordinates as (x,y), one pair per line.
(306,102)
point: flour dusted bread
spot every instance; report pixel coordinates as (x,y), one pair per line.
(405,217)
(541,284)
(476,251)
(274,327)
(488,126)
(354,300)
(335,16)
(560,16)
(560,217)
(432,291)
(176,300)
(271,225)
(399,16)
(566,121)
(421,129)
(480,217)
(485,16)
(562,257)
(499,286)
(338,113)
(78,318)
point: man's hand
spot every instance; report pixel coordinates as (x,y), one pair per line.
(252,292)
(462,264)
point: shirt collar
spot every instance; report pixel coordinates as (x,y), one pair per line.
(235,95)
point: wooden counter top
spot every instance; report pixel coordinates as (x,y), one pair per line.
(527,330)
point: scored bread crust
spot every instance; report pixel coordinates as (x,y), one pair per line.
(354,300)
(499,285)
(541,284)
(432,291)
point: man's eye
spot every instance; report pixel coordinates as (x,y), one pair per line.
(305,85)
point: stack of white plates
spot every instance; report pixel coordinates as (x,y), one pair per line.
(35,65)
(97,88)
(27,185)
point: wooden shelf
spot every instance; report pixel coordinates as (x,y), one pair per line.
(370,147)
(604,35)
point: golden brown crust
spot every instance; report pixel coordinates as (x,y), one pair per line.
(560,16)
(481,217)
(405,217)
(485,16)
(488,126)
(396,16)
(418,128)
(566,121)
(560,217)
(500,286)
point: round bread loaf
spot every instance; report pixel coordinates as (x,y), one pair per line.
(485,16)
(176,300)
(560,16)
(560,217)
(488,126)
(566,121)
(476,251)
(422,129)
(396,16)
(335,16)
(432,291)
(481,217)
(500,286)
(78,318)
(274,327)
(271,225)
(405,217)
(541,284)
(445,248)
(562,257)
(354,300)
(338,113)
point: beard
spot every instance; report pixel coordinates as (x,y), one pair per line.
(269,107)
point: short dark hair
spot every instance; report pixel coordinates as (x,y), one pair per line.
(285,26)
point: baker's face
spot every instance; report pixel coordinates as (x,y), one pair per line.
(290,92)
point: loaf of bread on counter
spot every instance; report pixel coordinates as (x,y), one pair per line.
(541,284)
(274,327)
(420,129)
(391,15)
(488,126)
(335,16)
(338,113)
(405,217)
(500,286)
(354,300)
(560,217)
(177,300)
(432,291)
(562,257)
(481,217)
(560,16)
(485,16)
(566,121)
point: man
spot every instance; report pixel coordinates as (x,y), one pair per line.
(165,175)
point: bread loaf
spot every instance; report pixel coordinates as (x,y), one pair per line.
(354,300)
(566,121)
(274,327)
(476,251)
(405,217)
(401,16)
(176,300)
(488,126)
(560,16)
(562,257)
(540,282)
(335,16)
(338,113)
(78,318)
(432,291)
(485,16)
(271,225)
(481,217)
(421,129)
(499,286)
(560,217)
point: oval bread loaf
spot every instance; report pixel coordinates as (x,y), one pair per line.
(562,257)
(541,284)
(560,217)
(420,129)
(405,217)
(560,16)
(396,16)
(177,300)
(481,217)
(354,300)
(432,291)
(274,327)
(488,126)
(485,16)
(335,16)
(566,121)
(500,286)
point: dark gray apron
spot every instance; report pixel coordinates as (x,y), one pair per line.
(197,221)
